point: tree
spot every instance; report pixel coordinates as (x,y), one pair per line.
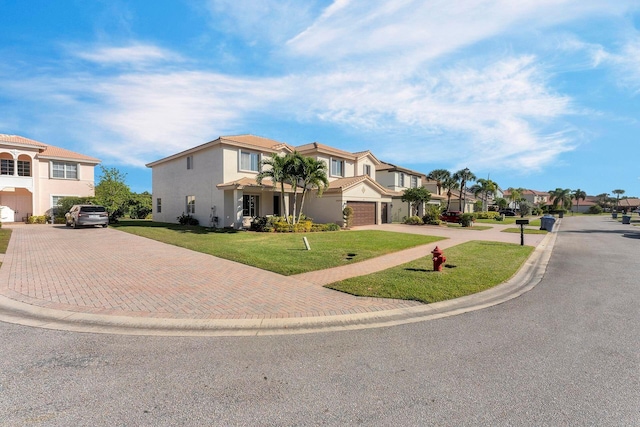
(416,196)
(561,198)
(140,205)
(112,192)
(449,184)
(515,195)
(484,187)
(502,203)
(439,176)
(618,193)
(313,174)
(464,176)
(577,195)
(277,171)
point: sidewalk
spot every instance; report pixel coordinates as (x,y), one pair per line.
(85,280)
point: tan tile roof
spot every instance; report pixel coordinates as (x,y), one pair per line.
(47,151)
(256,141)
(315,146)
(343,184)
(391,167)
(251,182)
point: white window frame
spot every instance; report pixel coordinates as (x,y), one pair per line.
(258,158)
(414,181)
(10,168)
(367,170)
(334,171)
(400,179)
(23,162)
(190,205)
(254,205)
(65,172)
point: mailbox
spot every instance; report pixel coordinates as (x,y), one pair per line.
(522,221)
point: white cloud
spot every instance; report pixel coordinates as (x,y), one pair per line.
(135,54)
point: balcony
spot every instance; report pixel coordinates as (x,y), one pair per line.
(11,181)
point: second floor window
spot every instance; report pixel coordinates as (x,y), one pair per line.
(414,182)
(367,170)
(249,161)
(190,162)
(6,166)
(63,170)
(24,168)
(159,205)
(337,167)
(401,180)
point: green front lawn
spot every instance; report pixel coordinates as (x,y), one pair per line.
(5,236)
(282,253)
(526,230)
(508,220)
(473,267)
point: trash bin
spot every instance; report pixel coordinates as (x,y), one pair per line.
(547,222)
(614,215)
(626,219)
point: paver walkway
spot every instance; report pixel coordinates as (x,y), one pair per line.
(109,272)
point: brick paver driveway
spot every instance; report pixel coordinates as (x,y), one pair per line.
(105,271)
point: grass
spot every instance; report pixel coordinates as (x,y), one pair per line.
(473,267)
(526,230)
(475,227)
(508,220)
(5,236)
(282,253)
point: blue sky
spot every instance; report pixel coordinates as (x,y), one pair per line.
(532,93)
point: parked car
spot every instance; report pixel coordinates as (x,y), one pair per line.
(81,215)
(452,216)
(507,212)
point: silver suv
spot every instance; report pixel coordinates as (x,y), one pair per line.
(81,215)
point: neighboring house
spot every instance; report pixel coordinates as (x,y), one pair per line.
(627,204)
(216,183)
(536,198)
(398,179)
(35,176)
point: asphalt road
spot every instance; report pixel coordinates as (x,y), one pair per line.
(565,353)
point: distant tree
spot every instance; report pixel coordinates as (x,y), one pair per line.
(561,198)
(578,195)
(515,195)
(140,205)
(439,176)
(484,187)
(618,193)
(112,192)
(416,197)
(449,184)
(463,176)
(525,208)
(277,171)
(502,203)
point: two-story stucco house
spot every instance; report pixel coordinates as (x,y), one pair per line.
(34,176)
(398,179)
(216,183)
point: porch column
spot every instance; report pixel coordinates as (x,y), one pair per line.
(237,200)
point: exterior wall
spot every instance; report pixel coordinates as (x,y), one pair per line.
(324,209)
(391,180)
(361,164)
(47,187)
(173,182)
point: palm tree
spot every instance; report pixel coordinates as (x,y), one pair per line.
(313,175)
(463,176)
(294,170)
(484,187)
(278,165)
(449,184)
(577,195)
(561,198)
(618,193)
(439,176)
(515,195)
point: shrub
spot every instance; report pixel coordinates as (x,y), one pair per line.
(414,220)
(499,218)
(466,220)
(431,215)
(595,210)
(347,215)
(37,219)
(259,223)
(187,220)
(488,215)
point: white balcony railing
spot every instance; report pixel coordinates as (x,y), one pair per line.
(10,181)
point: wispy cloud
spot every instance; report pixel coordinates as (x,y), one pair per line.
(135,54)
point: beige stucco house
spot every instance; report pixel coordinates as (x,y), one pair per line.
(34,176)
(216,183)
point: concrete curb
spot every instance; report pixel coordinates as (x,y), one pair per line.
(529,275)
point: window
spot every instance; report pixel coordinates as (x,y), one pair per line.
(191,205)
(158,205)
(337,167)
(249,161)
(24,168)
(189,162)
(367,170)
(55,204)
(6,166)
(64,170)
(401,180)
(250,205)
(414,182)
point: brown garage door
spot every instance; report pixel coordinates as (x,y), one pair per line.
(364,213)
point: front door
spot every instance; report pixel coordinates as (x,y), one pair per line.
(383,208)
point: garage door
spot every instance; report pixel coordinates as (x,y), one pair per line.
(364,213)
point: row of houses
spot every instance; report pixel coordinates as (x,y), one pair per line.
(216,183)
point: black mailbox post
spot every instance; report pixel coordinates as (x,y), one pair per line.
(522,223)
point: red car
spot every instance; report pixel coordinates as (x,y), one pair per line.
(453,216)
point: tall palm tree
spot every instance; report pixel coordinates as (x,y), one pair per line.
(618,193)
(561,198)
(577,195)
(515,195)
(449,184)
(294,170)
(277,171)
(439,176)
(464,176)
(313,175)
(484,187)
